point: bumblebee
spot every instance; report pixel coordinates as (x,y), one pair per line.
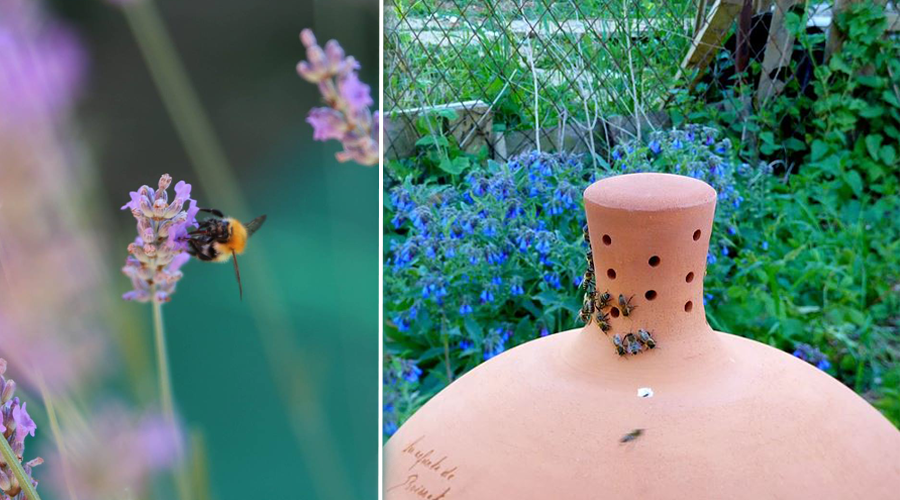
(220,238)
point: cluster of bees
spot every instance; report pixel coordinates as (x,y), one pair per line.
(596,305)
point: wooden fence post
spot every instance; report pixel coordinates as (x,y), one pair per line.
(779,48)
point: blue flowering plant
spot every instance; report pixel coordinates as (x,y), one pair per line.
(702,153)
(401,395)
(477,267)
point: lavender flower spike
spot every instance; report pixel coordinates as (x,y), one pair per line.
(347,117)
(15,426)
(157,254)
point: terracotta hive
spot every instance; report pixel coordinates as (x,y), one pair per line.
(728,417)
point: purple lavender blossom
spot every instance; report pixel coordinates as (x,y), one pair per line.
(159,251)
(15,426)
(24,424)
(347,117)
(42,63)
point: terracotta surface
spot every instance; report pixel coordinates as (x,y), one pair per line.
(729,417)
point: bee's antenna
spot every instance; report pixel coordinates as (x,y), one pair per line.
(217,213)
(237,273)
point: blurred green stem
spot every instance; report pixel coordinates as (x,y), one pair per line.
(165,393)
(308,419)
(16,466)
(57,436)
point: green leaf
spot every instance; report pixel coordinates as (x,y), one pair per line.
(430,140)
(474,329)
(873,143)
(855,182)
(890,97)
(888,154)
(871,112)
(792,144)
(819,149)
(448,113)
(455,166)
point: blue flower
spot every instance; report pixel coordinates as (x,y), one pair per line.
(410,371)
(465,345)
(516,289)
(542,243)
(655,147)
(495,343)
(465,309)
(553,280)
(523,242)
(812,355)
(707,298)
(732,230)
(765,245)
(725,251)
(401,323)
(544,331)
(710,259)
(390,427)
(486,296)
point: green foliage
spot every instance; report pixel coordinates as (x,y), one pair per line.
(830,276)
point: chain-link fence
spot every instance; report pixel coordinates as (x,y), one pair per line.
(503,76)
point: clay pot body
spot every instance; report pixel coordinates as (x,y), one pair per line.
(728,417)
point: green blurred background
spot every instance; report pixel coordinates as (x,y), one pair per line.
(286,414)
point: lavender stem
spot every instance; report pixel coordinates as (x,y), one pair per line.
(165,390)
(15,466)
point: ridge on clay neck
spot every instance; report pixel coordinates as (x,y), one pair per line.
(649,237)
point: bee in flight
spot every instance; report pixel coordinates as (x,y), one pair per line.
(220,238)
(631,436)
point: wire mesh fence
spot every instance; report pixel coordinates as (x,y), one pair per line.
(498,77)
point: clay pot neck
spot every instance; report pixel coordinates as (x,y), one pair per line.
(649,237)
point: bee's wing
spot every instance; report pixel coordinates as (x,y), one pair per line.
(254,225)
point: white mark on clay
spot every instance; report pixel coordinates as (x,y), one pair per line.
(645,392)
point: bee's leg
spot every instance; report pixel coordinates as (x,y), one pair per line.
(202,251)
(193,247)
